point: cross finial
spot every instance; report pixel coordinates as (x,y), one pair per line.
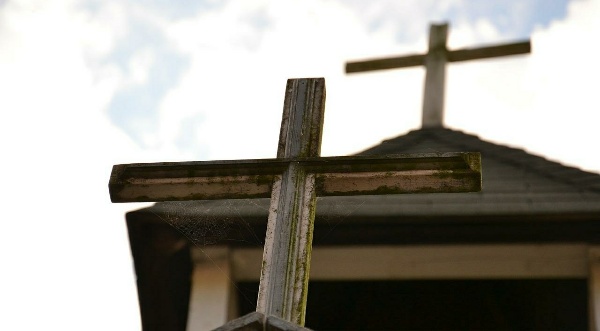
(435,66)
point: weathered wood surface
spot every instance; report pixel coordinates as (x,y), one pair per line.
(457,172)
(288,241)
(457,55)
(259,322)
(251,322)
(277,324)
(293,181)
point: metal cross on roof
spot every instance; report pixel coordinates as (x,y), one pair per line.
(435,65)
(293,180)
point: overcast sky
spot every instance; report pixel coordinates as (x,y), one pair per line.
(87,84)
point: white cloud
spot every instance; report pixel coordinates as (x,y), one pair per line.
(139,66)
(62,242)
(543,102)
(565,70)
(238,87)
(59,146)
(237,76)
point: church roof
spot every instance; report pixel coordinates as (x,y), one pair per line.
(525,198)
(522,193)
(514,181)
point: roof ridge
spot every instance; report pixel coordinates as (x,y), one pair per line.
(547,168)
(517,157)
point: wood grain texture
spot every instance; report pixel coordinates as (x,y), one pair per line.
(293,181)
(288,241)
(457,172)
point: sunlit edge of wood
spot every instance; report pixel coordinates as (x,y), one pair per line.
(487,261)
(456,172)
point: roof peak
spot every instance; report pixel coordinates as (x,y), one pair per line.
(442,139)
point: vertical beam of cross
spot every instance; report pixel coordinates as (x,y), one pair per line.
(435,76)
(286,258)
(435,64)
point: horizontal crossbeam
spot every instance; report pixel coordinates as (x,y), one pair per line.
(465,54)
(347,175)
(386,63)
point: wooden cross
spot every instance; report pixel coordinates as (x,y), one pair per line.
(435,66)
(293,180)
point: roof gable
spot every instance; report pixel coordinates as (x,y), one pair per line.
(503,159)
(513,180)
